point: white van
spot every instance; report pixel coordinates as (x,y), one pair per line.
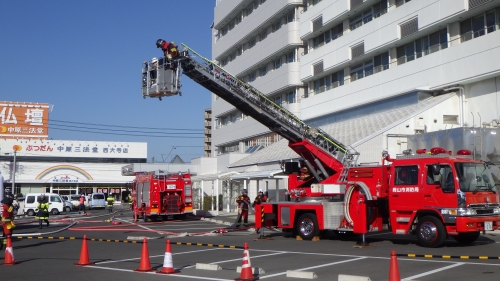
(97,200)
(56,203)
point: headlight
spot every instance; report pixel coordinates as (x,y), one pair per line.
(466,212)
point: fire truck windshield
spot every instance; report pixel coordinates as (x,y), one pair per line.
(474,177)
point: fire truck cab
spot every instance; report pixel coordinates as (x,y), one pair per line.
(157,195)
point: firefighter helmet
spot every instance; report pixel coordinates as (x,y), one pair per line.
(159,42)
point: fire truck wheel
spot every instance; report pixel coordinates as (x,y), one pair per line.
(431,232)
(466,238)
(144,217)
(307,226)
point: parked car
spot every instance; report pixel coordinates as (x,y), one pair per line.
(68,206)
(97,200)
(74,199)
(56,203)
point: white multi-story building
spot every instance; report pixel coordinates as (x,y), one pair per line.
(369,72)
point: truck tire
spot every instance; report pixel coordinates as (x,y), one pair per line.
(55,212)
(467,238)
(67,209)
(144,217)
(431,232)
(307,226)
(30,213)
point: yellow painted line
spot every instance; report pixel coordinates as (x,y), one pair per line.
(483,257)
(427,256)
(446,257)
(412,255)
(464,257)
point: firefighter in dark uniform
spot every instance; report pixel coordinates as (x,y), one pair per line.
(304,171)
(43,210)
(169,48)
(258,200)
(243,201)
(110,202)
(7,218)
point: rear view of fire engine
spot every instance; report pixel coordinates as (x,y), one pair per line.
(157,195)
(431,194)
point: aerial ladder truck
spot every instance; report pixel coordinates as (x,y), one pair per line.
(433,193)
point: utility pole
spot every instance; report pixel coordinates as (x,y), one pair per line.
(16,148)
(14,173)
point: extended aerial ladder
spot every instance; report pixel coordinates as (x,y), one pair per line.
(327,159)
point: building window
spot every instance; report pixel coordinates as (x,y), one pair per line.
(263,35)
(290,57)
(278,100)
(277,25)
(423,46)
(361,70)
(252,77)
(401,2)
(360,19)
(277,63)
(380,9)
(290,17)
(480,25)
(263,71)
(381,62)
(252,42)
(328,36)
(291,97)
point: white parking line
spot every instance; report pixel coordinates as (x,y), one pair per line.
(172,275)
(433,271)
(239,259)
(190,252)
(312,267)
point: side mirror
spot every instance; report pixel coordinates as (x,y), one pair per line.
(486,179)
(435,169)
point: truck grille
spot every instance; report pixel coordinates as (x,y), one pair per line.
(484,209)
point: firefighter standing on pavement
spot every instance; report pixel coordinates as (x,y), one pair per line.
(7,218)
(43,210)
(260,198)
(110,200)
(243,201)
(258,201)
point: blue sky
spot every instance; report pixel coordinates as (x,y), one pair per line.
(84,58)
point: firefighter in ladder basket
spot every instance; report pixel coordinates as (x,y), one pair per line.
(243,201)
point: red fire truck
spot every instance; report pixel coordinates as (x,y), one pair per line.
(432,194)
(158,195)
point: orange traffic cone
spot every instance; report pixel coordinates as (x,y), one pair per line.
(84,253)
(144,266)
(9,253)
(168,266)
(246,268)
(393,268)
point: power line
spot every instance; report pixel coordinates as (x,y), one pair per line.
(134,135)
(124,130)
(104,125)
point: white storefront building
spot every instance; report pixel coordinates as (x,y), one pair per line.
(68,167)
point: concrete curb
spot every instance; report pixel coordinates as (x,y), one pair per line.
(206,266)
(343,277)
(301,274)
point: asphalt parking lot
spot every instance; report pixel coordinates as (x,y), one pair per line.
(116,251)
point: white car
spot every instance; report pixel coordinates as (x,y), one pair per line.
(74,199)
